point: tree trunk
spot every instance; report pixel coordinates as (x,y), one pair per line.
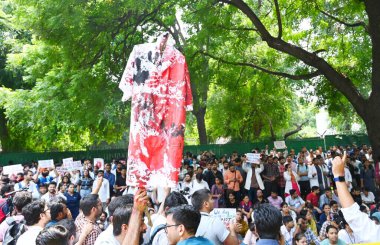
(4,135)
(201,125)
(372,122)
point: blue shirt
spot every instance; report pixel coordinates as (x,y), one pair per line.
(195,241)
(44,180)
(267,242)
(111,178)
(72,203)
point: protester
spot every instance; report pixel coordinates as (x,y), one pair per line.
(85,184)
(202,200)
(104,191)
(20,200)
(359,222)
(182,224)
(288,229)
(268,222)
(36,215)
(29,184)
(332,236)
(91,208)
(52,194)
(72,201)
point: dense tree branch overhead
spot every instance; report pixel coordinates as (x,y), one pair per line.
(279,21)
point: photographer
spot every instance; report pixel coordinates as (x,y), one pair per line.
(359,222)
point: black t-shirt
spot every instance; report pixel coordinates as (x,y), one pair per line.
(120,181)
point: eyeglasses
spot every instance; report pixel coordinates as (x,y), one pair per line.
(167,226)
(46,210)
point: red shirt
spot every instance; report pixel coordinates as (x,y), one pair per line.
(313,198)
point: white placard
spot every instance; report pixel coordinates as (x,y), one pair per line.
(61,170)
(71,166)
(46,163)
(13,169)
(253,158)
(67,161)
(226,215)
(280,144)
(99,162)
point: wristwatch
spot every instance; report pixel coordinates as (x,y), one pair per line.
(339,179)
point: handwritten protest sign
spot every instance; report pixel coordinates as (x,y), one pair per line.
(280,144)
(99,162)
(46,163)
(67,161)
(71,166)
(13,169)
(253,158)
(61,170)
(226,215)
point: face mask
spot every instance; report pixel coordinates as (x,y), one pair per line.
(45,174)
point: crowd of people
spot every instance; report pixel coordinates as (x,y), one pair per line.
(284,198)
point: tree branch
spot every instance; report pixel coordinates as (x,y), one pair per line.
(337,79)
(279,22)
(299,128)
(236,29)
(276,73)
(356,24)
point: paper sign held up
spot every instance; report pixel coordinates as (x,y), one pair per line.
(280,144)
(226,215)
(13,169)
(46,163)
(253,158)
(99,162)
(67,161)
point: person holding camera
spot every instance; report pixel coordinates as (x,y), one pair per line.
(359,222)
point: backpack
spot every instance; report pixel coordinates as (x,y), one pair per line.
(154,233)
(4,209)
(14,231)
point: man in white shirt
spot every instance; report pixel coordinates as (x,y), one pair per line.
(120,222)
(210,227)
(294,201)
(198,183)
(366,230)
(104,191)
(368,197)
(36,215)
(288,229)
(28,183)
(52,195)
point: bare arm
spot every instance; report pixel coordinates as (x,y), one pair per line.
(345,197)
(97,187)
(133,233)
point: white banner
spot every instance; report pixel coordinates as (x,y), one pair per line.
(226,215)
(61,170)
(67,161)
(280,144)
(13,169)
(46,163)
(99,162)
(253,158)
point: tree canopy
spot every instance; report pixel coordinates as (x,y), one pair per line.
(253,66)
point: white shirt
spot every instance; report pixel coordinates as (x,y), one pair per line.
(365,229)
(104,191)
(107,237)
(30,236)
(48,197)
(212,228)
(347,238)
(160,237)
(32,188)
(288,235)
(348,177)
(370,198)
(195,185)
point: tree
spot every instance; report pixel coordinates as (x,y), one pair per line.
(321,50)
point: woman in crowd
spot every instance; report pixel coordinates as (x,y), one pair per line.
(286,211)
(246,207)
(217,193)
(332,236)
(231,202)
(300,239)
(326,213)
(291,179)
(65,182)
(72,200)
(85,184)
